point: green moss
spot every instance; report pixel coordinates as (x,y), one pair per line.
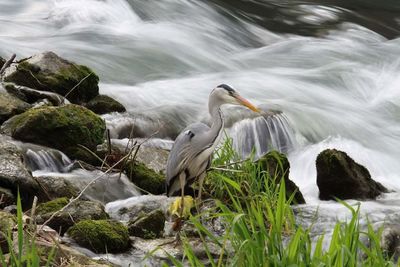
(52,206)
(61,82)
(145,178)
(101,236)
(60,127)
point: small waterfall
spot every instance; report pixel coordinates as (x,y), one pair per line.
(264,133)
(48,161)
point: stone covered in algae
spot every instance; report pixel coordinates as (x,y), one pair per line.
(145,178)
(64,128)
(101,236)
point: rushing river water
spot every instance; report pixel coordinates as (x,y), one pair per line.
(332,68)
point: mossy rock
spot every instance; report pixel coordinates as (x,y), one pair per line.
(10,106)
(78,211)
(103,104)
(148,226)
(145,178)
(52,205)
(49,72)
(277,166)
(101,236)
(64,128)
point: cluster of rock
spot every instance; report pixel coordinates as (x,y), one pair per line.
(53,102)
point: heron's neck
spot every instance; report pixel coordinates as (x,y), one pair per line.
(217,122)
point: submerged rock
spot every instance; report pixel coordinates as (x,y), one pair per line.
(148,226)
(10,106)
(339,176)
(33,96)
(132,208)
(63,128)
(14,175)
(49,72)
(78,211)
(103,104)
(277,166)
(101,236)
(154,158)
(56,187)
(145,178)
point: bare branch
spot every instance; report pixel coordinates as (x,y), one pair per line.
(81,81)
(7,64)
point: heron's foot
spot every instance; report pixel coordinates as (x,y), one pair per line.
(181,209)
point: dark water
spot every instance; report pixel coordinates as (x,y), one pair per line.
(315,18)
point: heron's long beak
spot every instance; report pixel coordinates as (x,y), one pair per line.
(246,103)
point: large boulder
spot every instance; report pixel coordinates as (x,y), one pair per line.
(277,166)
(78,211)
(103,104)
(64,128)
(101,236)
(49,72)
(339,176)
(10,106)
(15,176)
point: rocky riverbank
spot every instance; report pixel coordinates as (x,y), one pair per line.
(49,101)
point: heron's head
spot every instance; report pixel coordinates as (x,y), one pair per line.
(228,95)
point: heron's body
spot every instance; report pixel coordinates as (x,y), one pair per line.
(191,153)
(194,137)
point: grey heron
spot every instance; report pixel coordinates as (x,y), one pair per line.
(191,152)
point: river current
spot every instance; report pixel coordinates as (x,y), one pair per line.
(331,69)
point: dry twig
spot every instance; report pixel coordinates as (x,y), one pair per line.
(7,64)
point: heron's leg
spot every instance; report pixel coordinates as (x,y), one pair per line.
(182,182)
(201,181)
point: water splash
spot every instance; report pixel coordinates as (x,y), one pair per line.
(47,161)
(263,134)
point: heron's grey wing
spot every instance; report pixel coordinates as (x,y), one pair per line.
(188,144)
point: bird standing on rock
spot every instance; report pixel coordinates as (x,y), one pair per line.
(191,153)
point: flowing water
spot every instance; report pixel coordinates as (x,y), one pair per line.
(331,67)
